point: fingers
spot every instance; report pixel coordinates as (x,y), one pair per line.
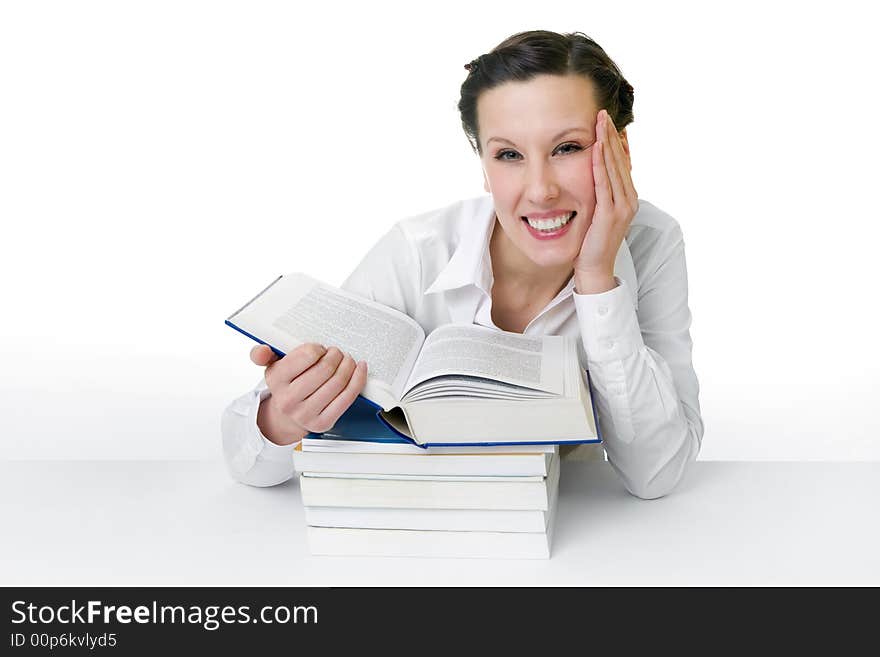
(330,389)
(263,355)
(621,182)
(305,383)
(282,372)
(303,394)
(600,173)
(613,171)
(346,398)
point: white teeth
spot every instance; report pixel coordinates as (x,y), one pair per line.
(550,224)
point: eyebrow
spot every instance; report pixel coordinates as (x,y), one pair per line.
(559,136)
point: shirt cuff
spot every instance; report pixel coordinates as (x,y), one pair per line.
(268,451)
(609,324)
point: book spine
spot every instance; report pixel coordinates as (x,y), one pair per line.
(434,465)
(328,491)
(427,519)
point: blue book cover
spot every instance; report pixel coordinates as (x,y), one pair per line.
(361,421)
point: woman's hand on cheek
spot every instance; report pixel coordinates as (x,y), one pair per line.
(616,205)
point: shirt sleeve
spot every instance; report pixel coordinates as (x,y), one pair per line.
(251,458)
(640,363)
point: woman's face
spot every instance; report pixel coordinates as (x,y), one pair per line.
(536,138)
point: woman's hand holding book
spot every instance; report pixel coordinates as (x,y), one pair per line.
(311,387)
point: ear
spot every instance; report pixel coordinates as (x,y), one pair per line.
(625,142)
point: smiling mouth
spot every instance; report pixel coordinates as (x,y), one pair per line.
(549,225)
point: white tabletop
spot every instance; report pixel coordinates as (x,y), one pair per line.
(151,523)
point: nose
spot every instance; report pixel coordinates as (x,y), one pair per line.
(541,183)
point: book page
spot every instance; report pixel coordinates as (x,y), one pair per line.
(451,385)
(486,353)
(298,309)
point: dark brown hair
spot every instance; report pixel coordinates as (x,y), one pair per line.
(525,55)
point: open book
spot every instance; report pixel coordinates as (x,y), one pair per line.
(460,384)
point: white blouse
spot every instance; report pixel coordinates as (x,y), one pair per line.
(635,339)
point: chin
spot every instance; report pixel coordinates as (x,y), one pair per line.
(553,256)
(552,260)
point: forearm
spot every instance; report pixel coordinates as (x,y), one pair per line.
(648,415)
(649,434)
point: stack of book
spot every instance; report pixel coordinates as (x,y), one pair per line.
(452,447)
(397,499)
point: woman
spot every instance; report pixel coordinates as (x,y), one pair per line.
(562,246)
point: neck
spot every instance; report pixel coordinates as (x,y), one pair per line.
(512,268)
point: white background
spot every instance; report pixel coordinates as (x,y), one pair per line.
(160,162)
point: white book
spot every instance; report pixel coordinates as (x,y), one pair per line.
(434,519)
(512,493)
(336,541)
(466,520)
(328,443)
(424,477)
(460,384)
(497,464)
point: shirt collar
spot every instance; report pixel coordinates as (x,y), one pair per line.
(470,263)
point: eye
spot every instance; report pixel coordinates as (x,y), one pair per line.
(570,146)
(501,155)
(565,149)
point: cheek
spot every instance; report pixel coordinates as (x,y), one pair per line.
(578,179)
(502,184)
(579,183)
